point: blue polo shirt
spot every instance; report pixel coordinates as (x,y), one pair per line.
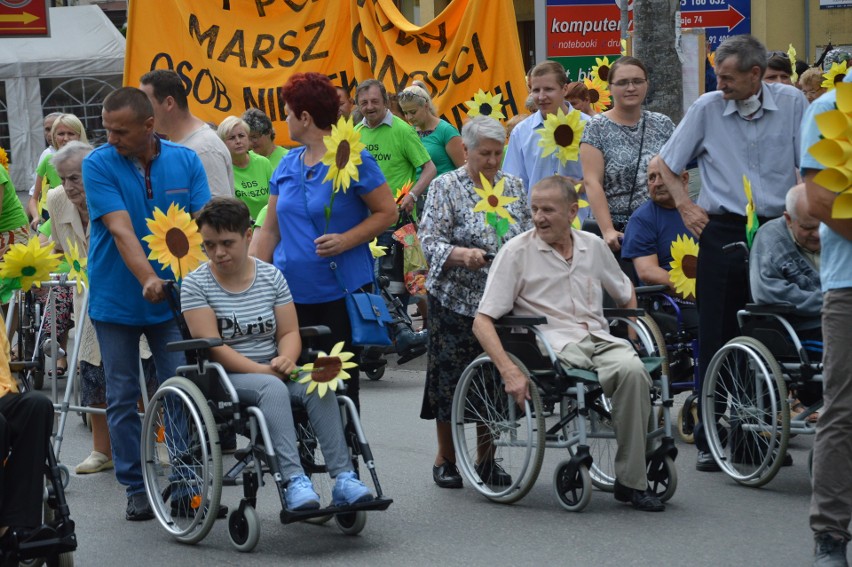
(115,183)
(651,230)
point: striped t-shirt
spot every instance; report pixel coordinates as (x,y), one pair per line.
(246,319)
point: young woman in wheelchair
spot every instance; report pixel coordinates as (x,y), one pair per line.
(247,303)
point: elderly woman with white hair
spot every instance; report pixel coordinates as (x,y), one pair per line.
(252,172)
(458,244)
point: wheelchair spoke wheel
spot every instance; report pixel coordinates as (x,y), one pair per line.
(487,423)
(653,342)
(687,418)
(745,396)
(310,455)
(600,437)
(573,487)
(182,460)
(662,478)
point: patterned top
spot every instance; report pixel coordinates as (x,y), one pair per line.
(449,221)
(619,145)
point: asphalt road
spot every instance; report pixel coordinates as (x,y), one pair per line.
(710,521)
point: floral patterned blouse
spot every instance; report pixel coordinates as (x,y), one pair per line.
(620,145)
(449,221)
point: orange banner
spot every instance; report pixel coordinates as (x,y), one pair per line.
(235,54)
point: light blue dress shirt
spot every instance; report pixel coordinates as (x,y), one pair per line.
(523,157)
(765,149)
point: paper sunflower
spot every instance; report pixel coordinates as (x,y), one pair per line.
(4,158)
(752,223)
(561,134)
(601,70)
(492,199)
(684,265)
(485,104)
(791,54)
(174,241)
(343,154)
(599,95)
(328,370)
(29,263)
(376,250)
(582,204)
(833,76)
(623,47)
(404,190)
(77,264)
(834,151)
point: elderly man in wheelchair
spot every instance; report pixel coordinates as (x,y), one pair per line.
(557,272)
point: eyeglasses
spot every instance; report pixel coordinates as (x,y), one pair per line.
(625,82)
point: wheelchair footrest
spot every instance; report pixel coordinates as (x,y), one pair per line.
(47,541)
(288,516)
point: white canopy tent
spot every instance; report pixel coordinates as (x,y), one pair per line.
(71,71)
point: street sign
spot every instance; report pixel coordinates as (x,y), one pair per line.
(720,18)
(20,18)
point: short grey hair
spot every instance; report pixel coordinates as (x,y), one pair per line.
(747,49)
(560,183)
(364,86)
(69,152)
(482,127)
(258,122)
(794,201)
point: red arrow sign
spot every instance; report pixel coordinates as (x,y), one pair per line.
(729,18)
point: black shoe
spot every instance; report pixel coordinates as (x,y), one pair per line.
(493,474)
(138,508)
(182,508)
(706,462)
(788,460)
(829,551)
(642,500)
(447,475)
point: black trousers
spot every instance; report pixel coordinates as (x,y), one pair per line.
(722,290)
(333,315)
(26,421)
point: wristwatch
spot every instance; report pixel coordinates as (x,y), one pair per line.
(413,196)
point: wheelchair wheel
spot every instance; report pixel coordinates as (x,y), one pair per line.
(662,478)
(600,437)
(244,528)
(573,489)
(310,455)
(687,417)
(745,392)
(351,523)
(182,460)
(654,337)
(484,415)
(375,373)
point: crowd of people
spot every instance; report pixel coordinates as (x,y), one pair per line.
(296,269)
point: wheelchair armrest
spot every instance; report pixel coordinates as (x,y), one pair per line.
(314,331)
(519,321)
(651,289)
(774,308)
(193,344)
(614,312)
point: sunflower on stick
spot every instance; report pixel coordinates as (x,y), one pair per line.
(493,203)
(834,151)
(77,272)
(342,156)
(561,135)
(27,265)
(174,241)
(327,372)
(485,104)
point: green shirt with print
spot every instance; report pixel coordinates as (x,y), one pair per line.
(251,183)
(276,155)
(13,215)
(397,149)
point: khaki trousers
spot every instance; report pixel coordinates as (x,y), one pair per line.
(625,381)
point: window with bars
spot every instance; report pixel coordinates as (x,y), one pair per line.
(82,97)
(5,140)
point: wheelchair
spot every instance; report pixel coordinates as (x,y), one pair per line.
(181,454)
(485,418)
(746,388)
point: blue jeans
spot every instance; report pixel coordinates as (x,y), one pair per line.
(120,352)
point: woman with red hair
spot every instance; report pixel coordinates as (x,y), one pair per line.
(299,239)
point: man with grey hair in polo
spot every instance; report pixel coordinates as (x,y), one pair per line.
(746,129)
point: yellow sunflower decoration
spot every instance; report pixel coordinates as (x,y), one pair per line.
(601,70)
(493,203)
(623,47)
(834,151)
(174,240)
(835,75)
(29,263)
(561,135)
(328,371)
(42,199)
(485,104)
(404,190)
(343,154)
(791,54)
(78,265)
(599,95)
(752,224)
(582,204)
(4,158)
(376,250)
(684,265)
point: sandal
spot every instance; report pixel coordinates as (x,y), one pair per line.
(61,368)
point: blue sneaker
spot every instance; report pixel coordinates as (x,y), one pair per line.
(300,494)
(349,490)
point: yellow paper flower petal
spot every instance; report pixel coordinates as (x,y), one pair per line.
(684,265)
(837,179)
(30,263)
(175,241)
(376,250)
(78,265)
(492,198)
(791,54)
(832,153)
(842,208)
(4,158)
(485,104)
(623,47)
(343,154)
(599,95)
(561,135)
(601,70)
(834,75)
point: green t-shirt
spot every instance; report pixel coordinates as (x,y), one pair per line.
(276,155)
(261,216)
(397,149)
(47,171)
(436,144)
(13,215)
(251,183)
